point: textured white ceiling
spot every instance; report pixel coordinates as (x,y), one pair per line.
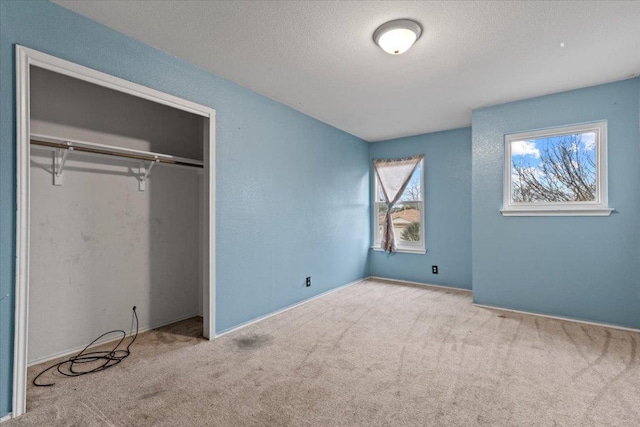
(318,56)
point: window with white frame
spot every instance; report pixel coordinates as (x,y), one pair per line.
(557,171)
(407,214)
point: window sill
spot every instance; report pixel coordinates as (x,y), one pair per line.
(567,211)
(420,251)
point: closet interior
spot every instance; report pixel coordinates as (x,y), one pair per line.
(117,213)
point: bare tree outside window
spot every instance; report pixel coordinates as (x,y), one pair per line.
(412,192)
(554,169)
(558,171)
(407,219)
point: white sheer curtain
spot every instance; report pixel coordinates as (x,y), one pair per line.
(393,176)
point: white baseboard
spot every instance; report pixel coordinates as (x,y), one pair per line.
(107,340)
(282,310)
(6,417)
(566,319)
(428,285)
(548,316)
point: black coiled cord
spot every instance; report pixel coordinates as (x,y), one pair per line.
(73,367)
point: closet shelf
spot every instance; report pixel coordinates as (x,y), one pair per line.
(56,143)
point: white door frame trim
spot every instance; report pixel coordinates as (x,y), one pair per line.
(26,57)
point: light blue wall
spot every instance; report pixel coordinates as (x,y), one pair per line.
(578,267)
(292,192)
(447,210)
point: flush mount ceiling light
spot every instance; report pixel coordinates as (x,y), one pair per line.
(396,37)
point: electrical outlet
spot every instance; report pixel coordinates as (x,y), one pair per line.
(434,269)
(308,281)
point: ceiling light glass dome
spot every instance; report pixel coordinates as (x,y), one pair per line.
(396,37)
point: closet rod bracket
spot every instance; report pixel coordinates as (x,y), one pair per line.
(59,159)
(145,170)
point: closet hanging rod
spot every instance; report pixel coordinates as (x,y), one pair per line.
(90,147)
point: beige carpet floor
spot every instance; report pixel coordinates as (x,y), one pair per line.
(370,354)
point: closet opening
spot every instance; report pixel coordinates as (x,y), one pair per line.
(115,209)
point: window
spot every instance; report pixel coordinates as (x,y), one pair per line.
(407,215)
(557,172)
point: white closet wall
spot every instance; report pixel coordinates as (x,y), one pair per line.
(99,246)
